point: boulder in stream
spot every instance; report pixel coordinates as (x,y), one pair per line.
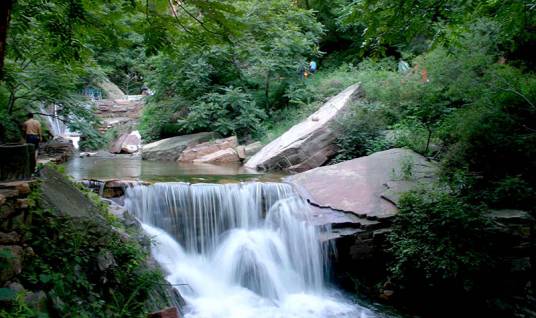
(170,149)
(308,144)
(127,143)
(201,150)
(369,186)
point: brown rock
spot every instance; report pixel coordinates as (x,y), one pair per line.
(171,312)
(222,156)
(121,101)
(21,204)
(23,187)
(60,149)
(7,210)
(132,143)
(241,151)
(37,300)
(8,193)
(119,109)
(253,148)
(9,238)
(170,149)
(16,287)
(387,294)
(313,137)
(367,186)
(29,252)
(116,146)
(15,189)
(198,151)
(127,143)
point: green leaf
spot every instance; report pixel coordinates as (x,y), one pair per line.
(44,278)
(7,294)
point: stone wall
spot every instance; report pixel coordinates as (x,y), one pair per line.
(14,214)
(17,162)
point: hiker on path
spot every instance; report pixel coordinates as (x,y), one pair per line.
(312,67)
(32,132)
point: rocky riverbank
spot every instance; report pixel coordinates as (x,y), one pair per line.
(30,274)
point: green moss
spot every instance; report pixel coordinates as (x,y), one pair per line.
(66,266)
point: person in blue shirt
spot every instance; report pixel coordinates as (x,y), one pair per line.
(312,67)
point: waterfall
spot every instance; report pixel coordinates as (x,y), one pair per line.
(239,250)
(57,126)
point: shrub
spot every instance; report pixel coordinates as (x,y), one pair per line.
(232,111)
(361,131)
(65,266)
(438,244)
(157,114)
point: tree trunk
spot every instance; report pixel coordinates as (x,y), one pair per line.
(5,16)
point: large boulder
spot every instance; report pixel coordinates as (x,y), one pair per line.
(60,195)
(127,143)
(308,144)
(171,148)
(253,148)
(194,152)
(59,148)
(369,186)
(221,156)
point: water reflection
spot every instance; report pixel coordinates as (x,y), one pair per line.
(137,169)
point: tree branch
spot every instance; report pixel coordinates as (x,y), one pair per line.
(174,12)
(197,20)
(49,115)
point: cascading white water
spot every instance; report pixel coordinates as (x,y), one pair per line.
(239,250)
(57,126)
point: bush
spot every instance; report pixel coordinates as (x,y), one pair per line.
(157,114)
(229,112)
(361,131)
(439,245)
(65,266)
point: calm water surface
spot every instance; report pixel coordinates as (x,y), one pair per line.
(132,168)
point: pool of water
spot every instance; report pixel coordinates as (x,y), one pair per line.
(133,168)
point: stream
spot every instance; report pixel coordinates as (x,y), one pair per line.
(235,243)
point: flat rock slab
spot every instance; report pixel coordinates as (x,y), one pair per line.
(228,155)
(308,144)
(368,186)
(170,149)
(206,148)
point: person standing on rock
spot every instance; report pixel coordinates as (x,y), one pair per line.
(32,130)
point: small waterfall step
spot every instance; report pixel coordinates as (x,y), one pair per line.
(241,250)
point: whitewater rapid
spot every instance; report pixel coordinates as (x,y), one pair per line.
(240,250)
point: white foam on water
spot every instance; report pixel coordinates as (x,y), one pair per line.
(242,250)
